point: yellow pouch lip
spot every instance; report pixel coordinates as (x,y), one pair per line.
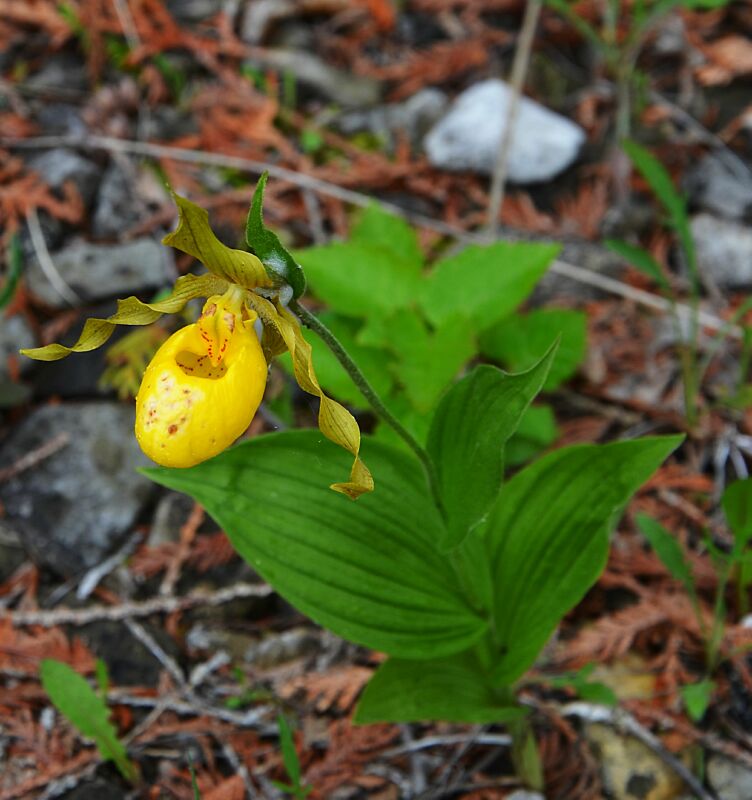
(184,419)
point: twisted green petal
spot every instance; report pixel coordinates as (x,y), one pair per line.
(132,311)
(195,237)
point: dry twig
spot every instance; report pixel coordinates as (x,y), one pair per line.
(34,457)
(575,273)
(519,70)
(131,610)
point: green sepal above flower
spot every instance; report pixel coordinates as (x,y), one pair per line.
(266,245)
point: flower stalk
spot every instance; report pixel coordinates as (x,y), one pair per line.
(311,321)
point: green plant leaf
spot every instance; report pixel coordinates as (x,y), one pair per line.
(451,689)
(380,229)
(289,754)
(416,422)
(82,707)
(360,280)
(520,340)
(267,246)
(486,283)
(473,422)
(668,549)
(369,570)
(639,259)
(194,783)
(15,266)
(537,431)
(663,187)
(737,506)
(547,537)
(697,697)
(427,362)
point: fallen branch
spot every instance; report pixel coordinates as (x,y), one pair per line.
(33,457)
(151,150)
(145,608)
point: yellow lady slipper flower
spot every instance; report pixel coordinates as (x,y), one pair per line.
(202,388)
(205,383)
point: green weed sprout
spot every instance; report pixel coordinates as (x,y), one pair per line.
(86,711)
(732,565)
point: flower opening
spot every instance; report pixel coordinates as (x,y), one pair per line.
(202,388)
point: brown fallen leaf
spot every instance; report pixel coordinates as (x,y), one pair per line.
(232,789)
(728,58)
(336,689)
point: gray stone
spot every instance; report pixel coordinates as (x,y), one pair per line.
(468,137)
(724,250)
(194,10)
(716,187)
(671,36)
(728,779)
(98,271)
(411,118)
(65,72)
(95,790)
(75,506)
(61,164)
(15,333)
(115,210)
(170,515)
(341,87)
(524,794)
(61,118)
(261,15)
(12,554)
(166,123)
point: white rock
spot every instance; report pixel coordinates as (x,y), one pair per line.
(724,250)
(467,138)
(729,780)
(716,188)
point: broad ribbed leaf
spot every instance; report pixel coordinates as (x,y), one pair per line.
(370,571)
(547,537)
(451,689)
(485,283)
(473,422)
